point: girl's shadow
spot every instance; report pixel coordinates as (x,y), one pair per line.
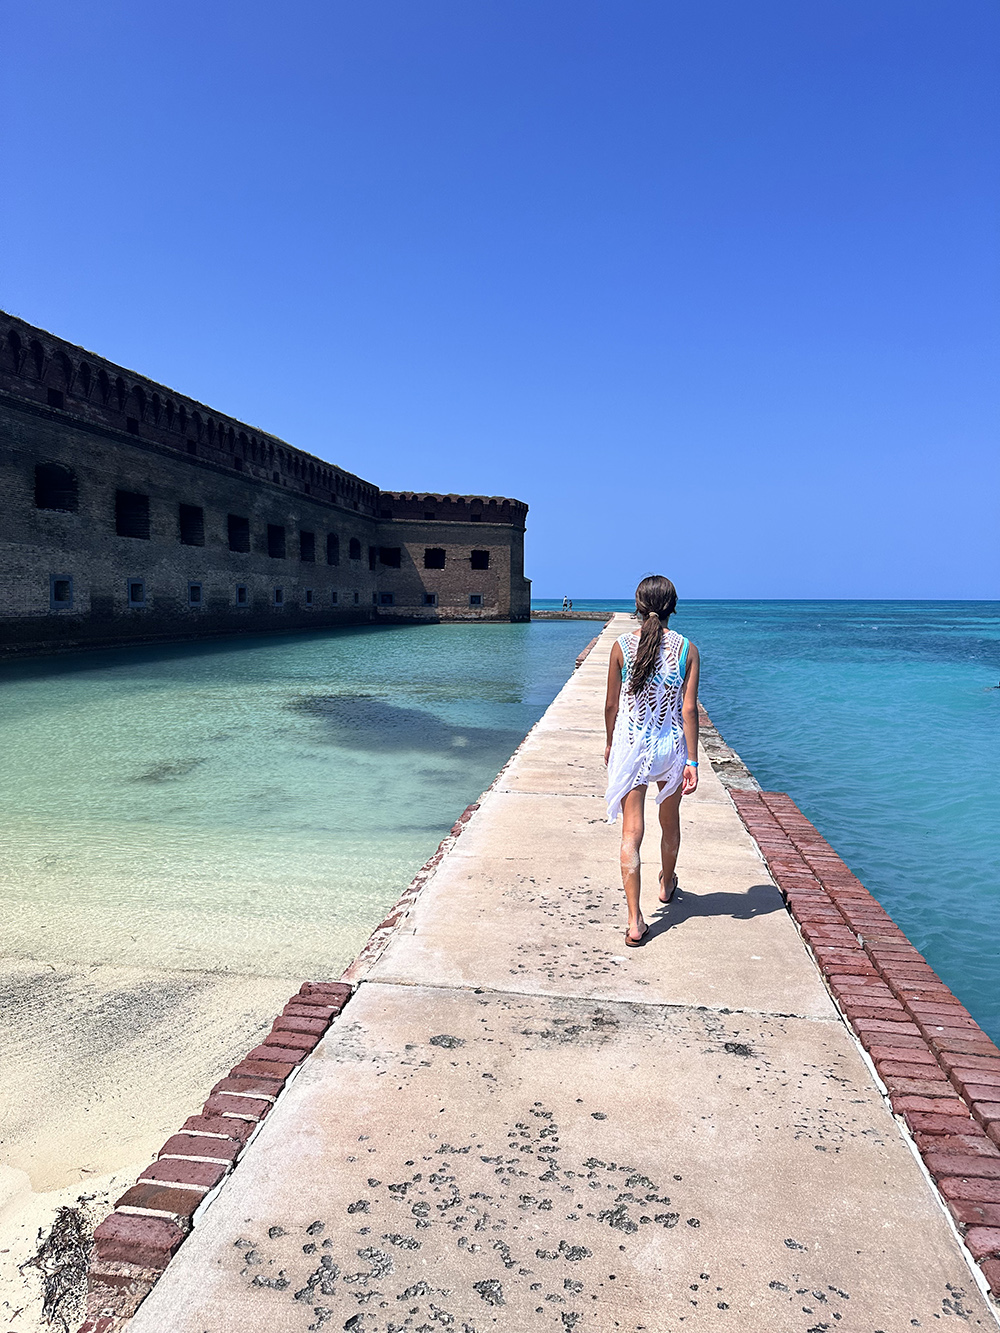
(759,900)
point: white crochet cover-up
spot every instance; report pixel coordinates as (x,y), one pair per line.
(648,744)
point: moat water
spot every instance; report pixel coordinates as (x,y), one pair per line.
(881,720)
(256,805)
(253,805)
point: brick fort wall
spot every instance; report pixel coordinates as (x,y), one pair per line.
(132,513)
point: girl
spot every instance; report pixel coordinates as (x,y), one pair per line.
(651,715)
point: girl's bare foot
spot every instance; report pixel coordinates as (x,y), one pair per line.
(636,933)
(673,888)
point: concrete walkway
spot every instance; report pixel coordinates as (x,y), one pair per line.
(518,1124)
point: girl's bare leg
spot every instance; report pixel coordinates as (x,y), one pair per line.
(670,838)
(633,827)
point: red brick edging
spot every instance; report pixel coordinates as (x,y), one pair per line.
(133,1245)
(941,1071)
(582,657)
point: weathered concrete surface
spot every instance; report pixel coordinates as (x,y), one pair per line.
(519,1124)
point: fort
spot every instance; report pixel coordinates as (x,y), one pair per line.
(133,513)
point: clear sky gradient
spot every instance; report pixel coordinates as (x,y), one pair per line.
(713,286)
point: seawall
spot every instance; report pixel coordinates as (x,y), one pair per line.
(764,1118)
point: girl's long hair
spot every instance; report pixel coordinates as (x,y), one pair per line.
(655,603)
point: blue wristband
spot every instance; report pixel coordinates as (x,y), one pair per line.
(692,763)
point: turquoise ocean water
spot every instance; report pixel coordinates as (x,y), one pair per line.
(256,805)
(879,719)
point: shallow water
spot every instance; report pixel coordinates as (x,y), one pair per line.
(250,805)
(881,721)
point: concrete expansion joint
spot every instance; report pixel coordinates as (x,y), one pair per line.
(606,1001)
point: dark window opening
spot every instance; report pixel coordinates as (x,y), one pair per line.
(354,549)
(357,598)
(390,555)
(132,515)
(238,464)
(385,513)
(306,488)
(428,514)
(374,599)
(239,532)
(309,596)
(192,448)
(480,559)
(434,557)
(430,599)
(332,549)
(132,425)
(386,598)
(194,594)
(242,595)
(307,546)
(192,525)
(476,518)
(55,398)
(372,552)
(56,488)
(334,598)
(279,596)
(475,599)
(276,476)
(136,592)
(60,592)
(276,541)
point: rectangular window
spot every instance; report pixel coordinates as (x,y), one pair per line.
(476,518)
(307,546)
(239,532)
(332,549)
(357,598)
(428,514)
(135,591)
(333,598)
(386,598)
(475,599)
(132,424)
(430,599)
(308,597)
(192,525)
(372,552)
(194,594)
(60,592)
(434,557)
(132,515)
(374,599)
(385,513)
(276,541)
(355,549)
(480,559)
(242,595)
(279,597)
(390,555)
(238,464)
(55,398)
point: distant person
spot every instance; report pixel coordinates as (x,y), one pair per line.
(571,603)
(565,604)
(651,715)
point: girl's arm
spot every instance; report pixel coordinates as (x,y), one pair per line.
(614,693)
(689,711)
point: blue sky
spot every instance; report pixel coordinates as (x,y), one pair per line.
(712,286)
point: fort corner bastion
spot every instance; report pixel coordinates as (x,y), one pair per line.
(131,513)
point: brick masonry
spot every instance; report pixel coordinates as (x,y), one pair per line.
(314,545)
(940,1070)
